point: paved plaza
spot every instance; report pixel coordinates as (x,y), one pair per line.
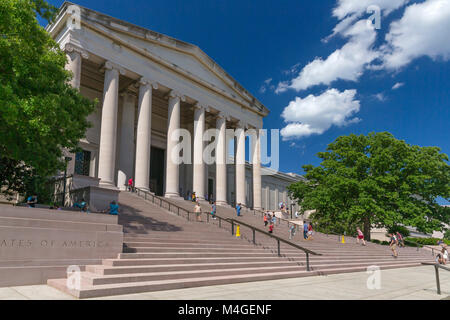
(396,284)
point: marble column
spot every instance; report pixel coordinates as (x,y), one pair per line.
(126,141)
(172,164)
(257,204)
(108,132)
(143,134)
(240,166)
(74,57)
(221,166)
(74,60)
(199,165)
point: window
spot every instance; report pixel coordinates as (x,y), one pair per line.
(82,162)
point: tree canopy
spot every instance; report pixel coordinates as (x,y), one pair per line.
(376,181)
(40,113)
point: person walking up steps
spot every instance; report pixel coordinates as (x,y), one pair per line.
(360,236)
(310,231)
(305,230)
(401,242)
(291,231)
(198,212)
(271,228)
(265,220)
(238,209)
(393,245)
(130,184)
(213,210)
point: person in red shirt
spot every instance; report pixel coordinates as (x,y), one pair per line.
(130,184)
(271,228)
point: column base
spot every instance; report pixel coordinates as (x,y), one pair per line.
(107,185)
(223,204)
(145,189)
(174,196)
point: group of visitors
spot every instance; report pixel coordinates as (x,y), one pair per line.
(198,211)
(82,205)
(269,219)
(308,230)
(191,196)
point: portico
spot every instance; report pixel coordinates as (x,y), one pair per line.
(149,86)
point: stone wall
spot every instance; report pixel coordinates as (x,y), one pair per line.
(37,244)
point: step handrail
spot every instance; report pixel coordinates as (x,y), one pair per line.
(161,200)
(276,237)
(437,266)
(232,222)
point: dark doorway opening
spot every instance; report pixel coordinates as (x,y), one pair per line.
(210,189)
(157,171)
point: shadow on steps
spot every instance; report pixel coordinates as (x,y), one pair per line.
(133,221)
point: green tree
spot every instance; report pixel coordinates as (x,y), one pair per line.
(40,113)
(376,180)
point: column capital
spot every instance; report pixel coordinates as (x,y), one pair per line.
(70,47)
(222,115)
(112,66)
(177,95)
(243,125)
(201,106)
(148,82)
(128,94)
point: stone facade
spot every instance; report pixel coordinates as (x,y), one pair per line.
(148,86)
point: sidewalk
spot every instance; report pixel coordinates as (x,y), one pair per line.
(405,284)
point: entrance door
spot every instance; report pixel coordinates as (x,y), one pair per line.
(157,171)
(210,188)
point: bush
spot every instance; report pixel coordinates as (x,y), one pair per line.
(383,243)
(447,234)
(427,241)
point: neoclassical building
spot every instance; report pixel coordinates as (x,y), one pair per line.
(149,85)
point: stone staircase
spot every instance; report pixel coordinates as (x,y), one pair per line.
(163,251)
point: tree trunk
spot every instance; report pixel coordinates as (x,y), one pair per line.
(366,228)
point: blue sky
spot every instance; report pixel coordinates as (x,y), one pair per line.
(334,85)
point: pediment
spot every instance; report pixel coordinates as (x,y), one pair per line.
(183,56)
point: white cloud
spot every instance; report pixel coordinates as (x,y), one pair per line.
(346,63)
(380,97)
(398,85)
(424,30)
(345,8)
(316,114)
(266,85)
(348,11)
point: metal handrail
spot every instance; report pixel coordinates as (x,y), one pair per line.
(437,266)
(161,201)
(233,222)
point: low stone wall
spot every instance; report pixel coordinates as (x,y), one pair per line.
(37,244)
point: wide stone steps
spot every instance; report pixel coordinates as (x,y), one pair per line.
(91,291)
(163,251)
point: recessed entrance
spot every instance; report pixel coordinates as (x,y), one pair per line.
(157,171)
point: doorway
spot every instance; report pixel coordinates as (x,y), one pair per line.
(157,171)
(210,189)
